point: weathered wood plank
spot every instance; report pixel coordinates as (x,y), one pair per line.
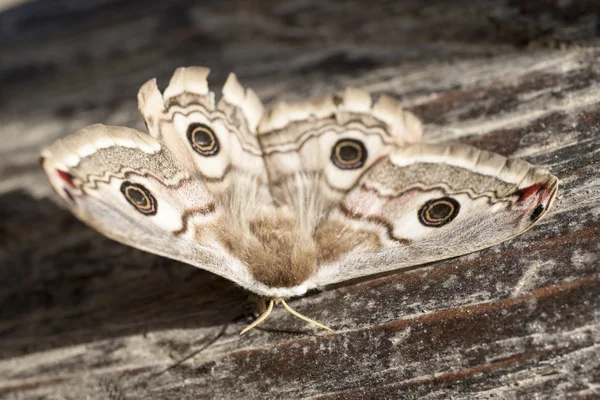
(84,317)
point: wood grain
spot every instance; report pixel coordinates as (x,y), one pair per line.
(85,317)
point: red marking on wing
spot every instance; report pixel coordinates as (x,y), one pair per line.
(66,177)
(529,191)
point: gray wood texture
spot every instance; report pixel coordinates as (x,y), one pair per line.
(82,317)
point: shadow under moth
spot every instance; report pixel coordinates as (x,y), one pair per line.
(293,198)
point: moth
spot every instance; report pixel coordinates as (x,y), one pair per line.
(293,198)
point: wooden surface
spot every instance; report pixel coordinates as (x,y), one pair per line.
(83,317)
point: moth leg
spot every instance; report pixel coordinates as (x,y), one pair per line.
(261,305)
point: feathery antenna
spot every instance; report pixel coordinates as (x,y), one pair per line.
(295,313)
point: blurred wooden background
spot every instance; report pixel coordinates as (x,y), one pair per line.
(82,317)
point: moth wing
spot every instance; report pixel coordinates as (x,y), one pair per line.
(128,186)
(302,142)
(215,140)
(424,203)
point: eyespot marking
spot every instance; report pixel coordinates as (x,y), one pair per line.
(438,212)
(203,139)
(349,154)
(139,197)
(537,213)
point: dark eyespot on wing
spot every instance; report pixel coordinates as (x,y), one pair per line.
(139,197)
(349,154)
(537,213)
(439,212)
(203,139)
